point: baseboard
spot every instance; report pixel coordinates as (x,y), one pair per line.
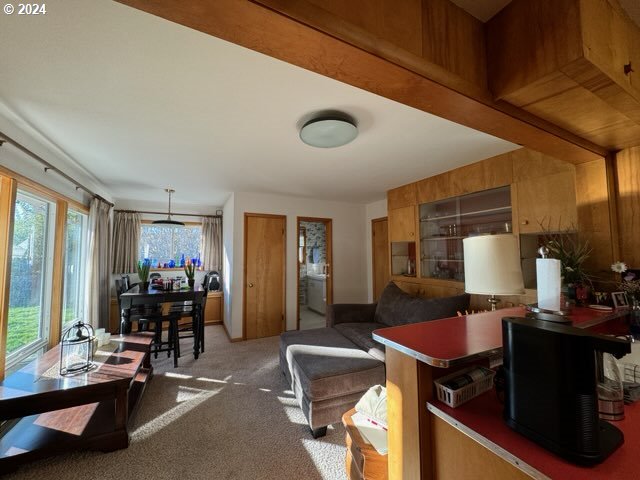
(232,340)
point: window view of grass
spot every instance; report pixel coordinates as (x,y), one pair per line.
(24,325)
(28,269)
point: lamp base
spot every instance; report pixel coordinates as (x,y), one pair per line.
(493,301)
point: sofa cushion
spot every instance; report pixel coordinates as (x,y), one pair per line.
(360,333)
(326,364)
(396,307)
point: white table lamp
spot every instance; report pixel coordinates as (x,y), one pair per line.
(492,266)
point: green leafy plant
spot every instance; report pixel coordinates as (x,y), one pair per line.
(143,270)
(572,253)
(190,270)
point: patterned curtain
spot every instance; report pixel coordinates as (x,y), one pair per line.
(99,248)
(211,246)
(126,241)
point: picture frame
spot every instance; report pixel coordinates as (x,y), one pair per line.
(620,299)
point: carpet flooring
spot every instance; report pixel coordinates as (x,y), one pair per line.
(227,415)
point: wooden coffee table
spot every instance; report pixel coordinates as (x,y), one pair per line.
(87,411)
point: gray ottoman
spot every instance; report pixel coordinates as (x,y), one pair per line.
(327,373)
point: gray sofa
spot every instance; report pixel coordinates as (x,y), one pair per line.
(329,369)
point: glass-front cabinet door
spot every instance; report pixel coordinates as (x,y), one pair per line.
(443,225)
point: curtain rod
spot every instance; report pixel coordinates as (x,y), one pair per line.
(173,213)
(47,166)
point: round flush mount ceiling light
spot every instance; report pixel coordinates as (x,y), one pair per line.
(328,132)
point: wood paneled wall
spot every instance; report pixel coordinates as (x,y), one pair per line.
(544,189)
(628,197)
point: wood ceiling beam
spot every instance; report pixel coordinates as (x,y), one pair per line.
(335,48)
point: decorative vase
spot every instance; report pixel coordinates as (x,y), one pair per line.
(145,286)
(191,282)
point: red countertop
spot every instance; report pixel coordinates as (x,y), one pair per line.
(455,340)
(481,419)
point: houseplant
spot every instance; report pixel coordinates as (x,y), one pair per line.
(190,271)
(143,272)
(572,253)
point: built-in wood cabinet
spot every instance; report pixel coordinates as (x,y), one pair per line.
(402,224)
(573,63)
(536,193)
(547,203)
(213,308)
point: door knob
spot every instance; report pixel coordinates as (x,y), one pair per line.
(250,285)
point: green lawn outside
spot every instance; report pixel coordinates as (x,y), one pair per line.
(23,328)
(24,325)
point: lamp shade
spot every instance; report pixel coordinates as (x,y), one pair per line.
(492,265)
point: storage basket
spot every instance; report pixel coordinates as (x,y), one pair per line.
(454,398)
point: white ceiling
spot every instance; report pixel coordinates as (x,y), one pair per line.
(142,103)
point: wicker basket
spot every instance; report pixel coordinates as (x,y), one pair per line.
(454,398)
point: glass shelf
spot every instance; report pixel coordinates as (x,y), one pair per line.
(445,223)
(468,214)
(441,238)
(443,260)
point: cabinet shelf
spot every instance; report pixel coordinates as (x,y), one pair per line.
(442,260)
(468,214)
(442,232)
(435,237)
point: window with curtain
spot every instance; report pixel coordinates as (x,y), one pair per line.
(163,244)
(75,266)
(31,267)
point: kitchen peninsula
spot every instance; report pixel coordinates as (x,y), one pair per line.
(424,440)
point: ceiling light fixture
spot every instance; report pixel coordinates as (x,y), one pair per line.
(168,222)
(328,132)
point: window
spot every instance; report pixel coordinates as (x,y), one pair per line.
(163,244)
(74,268)
(31,262)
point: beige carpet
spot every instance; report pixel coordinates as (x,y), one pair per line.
(228,415)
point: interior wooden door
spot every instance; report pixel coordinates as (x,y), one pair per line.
(380,255)
(264,275)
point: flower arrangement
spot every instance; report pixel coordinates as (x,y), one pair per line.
(630,285)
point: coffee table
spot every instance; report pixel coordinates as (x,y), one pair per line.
(90,410)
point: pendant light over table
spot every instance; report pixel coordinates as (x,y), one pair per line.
(168,222)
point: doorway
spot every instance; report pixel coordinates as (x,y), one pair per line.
(315,271)
(379,255)
(264,275)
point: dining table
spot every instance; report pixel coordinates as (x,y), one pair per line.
(155,296)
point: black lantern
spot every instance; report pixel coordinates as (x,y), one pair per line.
(76,349)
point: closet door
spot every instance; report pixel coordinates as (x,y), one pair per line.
(264,275)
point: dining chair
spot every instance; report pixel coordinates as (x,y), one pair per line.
(159,315)
(189,330)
